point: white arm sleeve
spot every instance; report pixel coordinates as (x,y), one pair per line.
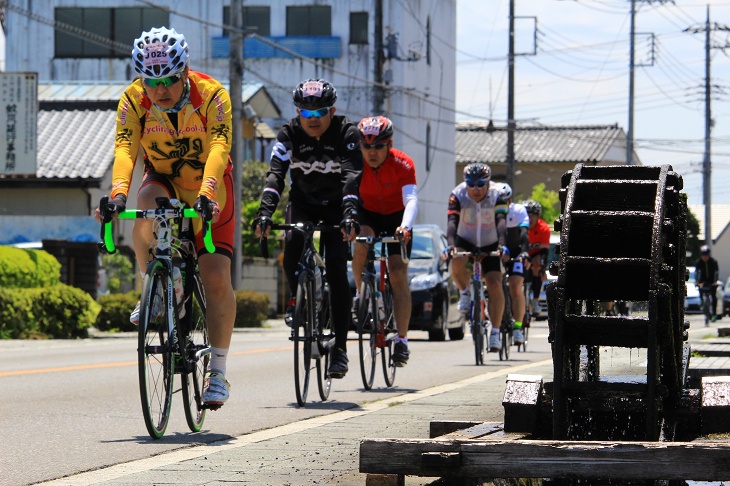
(410,201)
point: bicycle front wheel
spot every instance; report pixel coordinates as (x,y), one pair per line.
(155,350)
(367,316)
(388,338)
(302,336)
(197,356)
(324,335)
(477,326)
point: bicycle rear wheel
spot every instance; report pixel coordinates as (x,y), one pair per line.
(156,364)
(324,335)
(506,331)
(367,324)
(197,355)
(388,337)
(302,337)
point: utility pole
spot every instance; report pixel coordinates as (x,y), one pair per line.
(236,81)
(630,130)
(632,66)
(707,158)
(511,99)
(379,92)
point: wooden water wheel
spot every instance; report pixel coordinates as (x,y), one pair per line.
(622,238)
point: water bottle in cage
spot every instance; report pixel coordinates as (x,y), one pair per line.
(179,292)
(381,306)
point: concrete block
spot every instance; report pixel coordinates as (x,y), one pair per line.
(521,403)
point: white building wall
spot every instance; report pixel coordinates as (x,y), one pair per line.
(421,94)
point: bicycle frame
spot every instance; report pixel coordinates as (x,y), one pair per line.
(370,273)
(310,345)
(173,344)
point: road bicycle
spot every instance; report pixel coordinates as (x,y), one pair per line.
(312,329)
(706,299)
(508,322)
(172,330)
(479,323)
(376,327)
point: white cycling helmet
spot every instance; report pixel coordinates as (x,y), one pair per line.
(160,53)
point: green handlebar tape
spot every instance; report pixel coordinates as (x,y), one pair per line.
(208,239)
(109,238)
(127,215)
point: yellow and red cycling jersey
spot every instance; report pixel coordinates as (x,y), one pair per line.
(194,155)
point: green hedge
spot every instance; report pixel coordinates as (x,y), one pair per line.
(21,268)
(57,311)
(115,311)
(251,310)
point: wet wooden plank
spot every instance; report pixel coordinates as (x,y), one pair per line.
(547,459)
(711,350)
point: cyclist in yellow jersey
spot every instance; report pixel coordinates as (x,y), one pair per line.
(181,119)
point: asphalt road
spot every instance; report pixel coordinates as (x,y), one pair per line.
(73,406)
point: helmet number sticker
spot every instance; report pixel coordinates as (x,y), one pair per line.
(312,88)
(156,53)
(371,126)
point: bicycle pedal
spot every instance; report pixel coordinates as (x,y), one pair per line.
(212,406)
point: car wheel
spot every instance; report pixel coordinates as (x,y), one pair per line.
(438,333)
(455,333)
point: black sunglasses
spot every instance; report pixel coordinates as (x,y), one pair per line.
(376,146)
(478,184)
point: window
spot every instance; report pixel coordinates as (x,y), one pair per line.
(255,19)
(359,28)
(312,20)
(115,24)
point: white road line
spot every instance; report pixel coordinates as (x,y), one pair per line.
(173,457)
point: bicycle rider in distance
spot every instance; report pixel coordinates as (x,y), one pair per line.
(517,245)
(182,121)
(539,250)
(388,204)
(322,152)
(477,216)
(707,272)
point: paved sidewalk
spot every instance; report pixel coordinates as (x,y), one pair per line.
(323,450)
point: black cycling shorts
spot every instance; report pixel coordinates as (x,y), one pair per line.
(490,263)
(385,224)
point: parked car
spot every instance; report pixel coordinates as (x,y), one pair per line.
(692,301)
(434,296)
(539,312)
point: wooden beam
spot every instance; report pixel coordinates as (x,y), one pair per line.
(547,459)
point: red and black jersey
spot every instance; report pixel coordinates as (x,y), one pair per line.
(381,189)
(539,236)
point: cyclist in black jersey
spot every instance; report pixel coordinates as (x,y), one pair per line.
(321,151)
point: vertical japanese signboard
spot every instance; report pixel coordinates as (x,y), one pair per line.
(18,123)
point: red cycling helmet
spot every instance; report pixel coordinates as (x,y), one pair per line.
(375,129)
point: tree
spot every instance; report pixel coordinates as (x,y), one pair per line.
(253,180)
(549,201)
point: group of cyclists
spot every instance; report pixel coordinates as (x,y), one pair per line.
(340,173)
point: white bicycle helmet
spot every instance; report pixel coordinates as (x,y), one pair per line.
(160,53)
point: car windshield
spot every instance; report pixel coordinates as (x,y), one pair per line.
(422,245)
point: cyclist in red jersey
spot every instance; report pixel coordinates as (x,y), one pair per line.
(389,204)
(539,236)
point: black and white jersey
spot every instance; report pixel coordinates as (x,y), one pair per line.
(324,172)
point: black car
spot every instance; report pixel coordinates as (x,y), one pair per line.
(434,296)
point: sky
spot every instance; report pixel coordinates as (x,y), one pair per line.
(575,71)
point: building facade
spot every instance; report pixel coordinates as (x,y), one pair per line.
(287,41)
